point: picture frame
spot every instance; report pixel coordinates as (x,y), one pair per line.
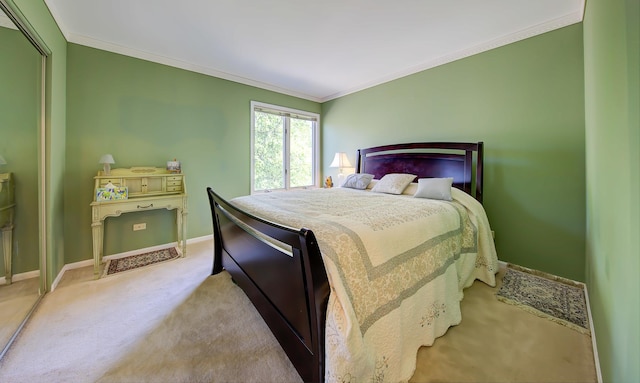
(173,166)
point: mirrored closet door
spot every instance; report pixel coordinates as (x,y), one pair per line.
(22,274)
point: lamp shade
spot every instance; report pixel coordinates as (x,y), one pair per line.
(2,161)
(106,159)
(340,160)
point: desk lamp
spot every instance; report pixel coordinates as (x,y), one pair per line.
(106,160)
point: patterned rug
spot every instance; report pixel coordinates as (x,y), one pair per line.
(139,260)
(558,299)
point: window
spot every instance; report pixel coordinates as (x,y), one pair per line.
(284,148)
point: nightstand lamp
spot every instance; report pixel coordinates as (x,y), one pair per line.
(340,161)
(106,160)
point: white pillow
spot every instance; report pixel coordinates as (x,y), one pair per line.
(393,183)
(434,188)
(357,181)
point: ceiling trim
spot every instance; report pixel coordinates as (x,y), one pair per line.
(115,48)
(558,23)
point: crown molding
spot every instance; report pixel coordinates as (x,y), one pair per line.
(147,56)
(569,19)
(539,29)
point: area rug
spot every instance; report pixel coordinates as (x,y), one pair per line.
(558,299)
(131,262)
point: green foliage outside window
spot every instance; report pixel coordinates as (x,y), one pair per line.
(301,153)
(269,152)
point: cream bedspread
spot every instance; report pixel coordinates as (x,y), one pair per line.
(396,265)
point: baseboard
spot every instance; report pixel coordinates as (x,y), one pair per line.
(21,276)
(89,262)
(596,358)
(200,239)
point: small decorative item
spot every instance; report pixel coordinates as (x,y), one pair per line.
(110,192)
(328,183)
(173,166)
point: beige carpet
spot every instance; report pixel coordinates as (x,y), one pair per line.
(499,342)
(211,337)
(172,322)
(16,300)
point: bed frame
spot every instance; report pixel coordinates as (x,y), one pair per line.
(287,283)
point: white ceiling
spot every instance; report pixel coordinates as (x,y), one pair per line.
(317,50)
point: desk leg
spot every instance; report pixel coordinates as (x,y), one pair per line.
(7,248)
(96,229)
(181,223)
(184,233)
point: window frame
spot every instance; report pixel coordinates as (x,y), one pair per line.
(287,113)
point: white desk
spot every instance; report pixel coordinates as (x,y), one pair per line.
(149,189)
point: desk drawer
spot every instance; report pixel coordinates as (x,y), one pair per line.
(115,181)
(142,185)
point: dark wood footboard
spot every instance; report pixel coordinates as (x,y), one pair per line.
(282,272)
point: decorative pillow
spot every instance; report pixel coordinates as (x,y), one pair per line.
(434,188)
(393,183)
(357,181)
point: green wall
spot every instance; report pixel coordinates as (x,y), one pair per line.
(612,42)
(526,102)
(145,113)
(40,18)
(20,76)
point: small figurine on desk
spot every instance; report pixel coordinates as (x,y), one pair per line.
(328,183)
(173,166)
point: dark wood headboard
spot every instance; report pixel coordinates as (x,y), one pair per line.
(428,160)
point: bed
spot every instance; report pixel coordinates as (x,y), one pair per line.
(352,281)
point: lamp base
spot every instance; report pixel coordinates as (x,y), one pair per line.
(106,169)
(340,178)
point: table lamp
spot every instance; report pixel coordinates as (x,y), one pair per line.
(340,161)
(106,160)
